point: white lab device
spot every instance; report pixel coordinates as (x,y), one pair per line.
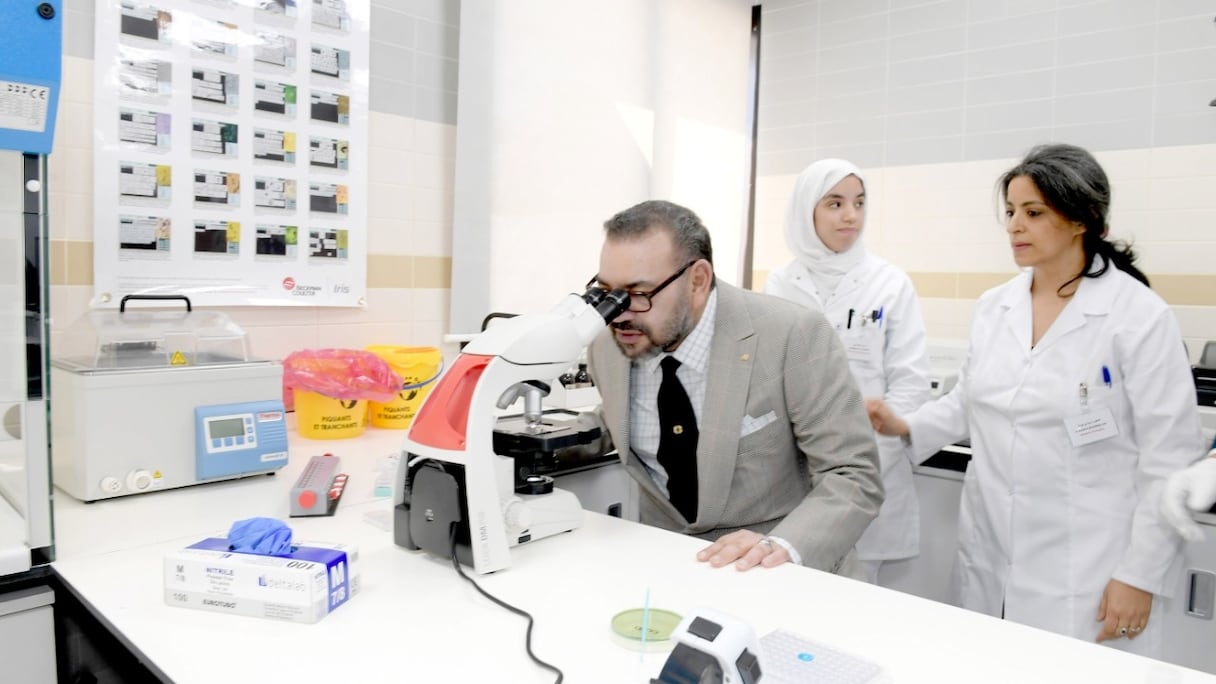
(149,400)
(711,646)
(946,358)
(451,488)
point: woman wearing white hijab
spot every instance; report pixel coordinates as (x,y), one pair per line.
(873,307)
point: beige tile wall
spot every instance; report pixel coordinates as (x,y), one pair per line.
(410,170)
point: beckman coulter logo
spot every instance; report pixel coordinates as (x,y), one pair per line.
(289,283)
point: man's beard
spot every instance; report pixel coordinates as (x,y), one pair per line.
(668,336)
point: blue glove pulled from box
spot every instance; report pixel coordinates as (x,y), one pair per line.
(264,536)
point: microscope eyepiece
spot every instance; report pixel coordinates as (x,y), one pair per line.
(609,304)
(613,304)
(594,295)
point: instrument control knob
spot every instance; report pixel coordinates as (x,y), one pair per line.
(517,516)
(139,480)
(110,485)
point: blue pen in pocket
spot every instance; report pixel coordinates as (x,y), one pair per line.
(1106,376)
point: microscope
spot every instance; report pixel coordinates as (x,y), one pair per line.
(452,487)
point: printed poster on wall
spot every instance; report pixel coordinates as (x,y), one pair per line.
(230,151)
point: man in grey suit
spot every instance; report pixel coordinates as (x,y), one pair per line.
(785,466)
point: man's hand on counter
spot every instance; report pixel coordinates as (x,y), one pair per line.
(746,549)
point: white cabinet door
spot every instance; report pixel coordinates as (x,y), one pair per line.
(27,636)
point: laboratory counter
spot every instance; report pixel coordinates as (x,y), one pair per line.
(415,619)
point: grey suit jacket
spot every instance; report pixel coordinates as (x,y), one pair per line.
(811,476)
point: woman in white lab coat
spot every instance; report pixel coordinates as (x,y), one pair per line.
(873,307)
(1076,395)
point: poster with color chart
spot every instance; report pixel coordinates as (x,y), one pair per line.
(230,153)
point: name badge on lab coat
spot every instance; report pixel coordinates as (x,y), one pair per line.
(1090,427)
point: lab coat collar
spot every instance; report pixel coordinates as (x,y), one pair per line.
(1094,298)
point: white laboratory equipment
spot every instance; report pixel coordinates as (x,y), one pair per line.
(147,400)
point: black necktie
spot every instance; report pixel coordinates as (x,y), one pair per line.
(678,441)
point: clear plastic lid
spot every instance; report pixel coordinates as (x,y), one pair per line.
(135,338)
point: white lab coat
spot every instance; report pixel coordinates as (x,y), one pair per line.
(1044,524)
(888,360)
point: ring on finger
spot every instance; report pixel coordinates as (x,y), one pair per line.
(1122,631)
(1137,629)
(768,543)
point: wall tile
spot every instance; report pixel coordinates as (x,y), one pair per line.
(393,24)
(435,138)
(924,150)
(865,155)
(1133,72)
(793,113)
(1010,60)
(852,56)
(1184,34)
(787,18)
(1190,97)
(432,239)
(783,161)
(847,107)
(388,130)
(439,40)
(1105,45)
(856,29)
(948,122)
(784,92)
(778,139)
(390,96)
(838,83)
(1009,116)
(784,43)
(927,17)
(836,11)
(1188,65)
(774,6)
(1184,129)
(389,236)
(1007,144)
(1112,105)
(1170,162)
(435,105)
(78,23)
(933,96)
(392,62)
(437,11)
(1198,322)
(434,73)
(839,133)
(1104,16)
(1174,9)
(782,69)
(987,10)
(927,44)
(1029,28)
(1017,87)
(930,70)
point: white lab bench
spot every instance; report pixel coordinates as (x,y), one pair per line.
(415,620)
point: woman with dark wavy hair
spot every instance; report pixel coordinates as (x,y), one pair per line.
(1076,396)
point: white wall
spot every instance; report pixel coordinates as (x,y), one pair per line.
(569,112)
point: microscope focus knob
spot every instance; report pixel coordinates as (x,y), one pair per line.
(517,516)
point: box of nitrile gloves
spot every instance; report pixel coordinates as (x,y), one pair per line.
(303,586)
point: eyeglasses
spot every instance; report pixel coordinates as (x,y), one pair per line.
(639,301)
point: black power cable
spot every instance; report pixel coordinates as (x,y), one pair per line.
(504,604)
